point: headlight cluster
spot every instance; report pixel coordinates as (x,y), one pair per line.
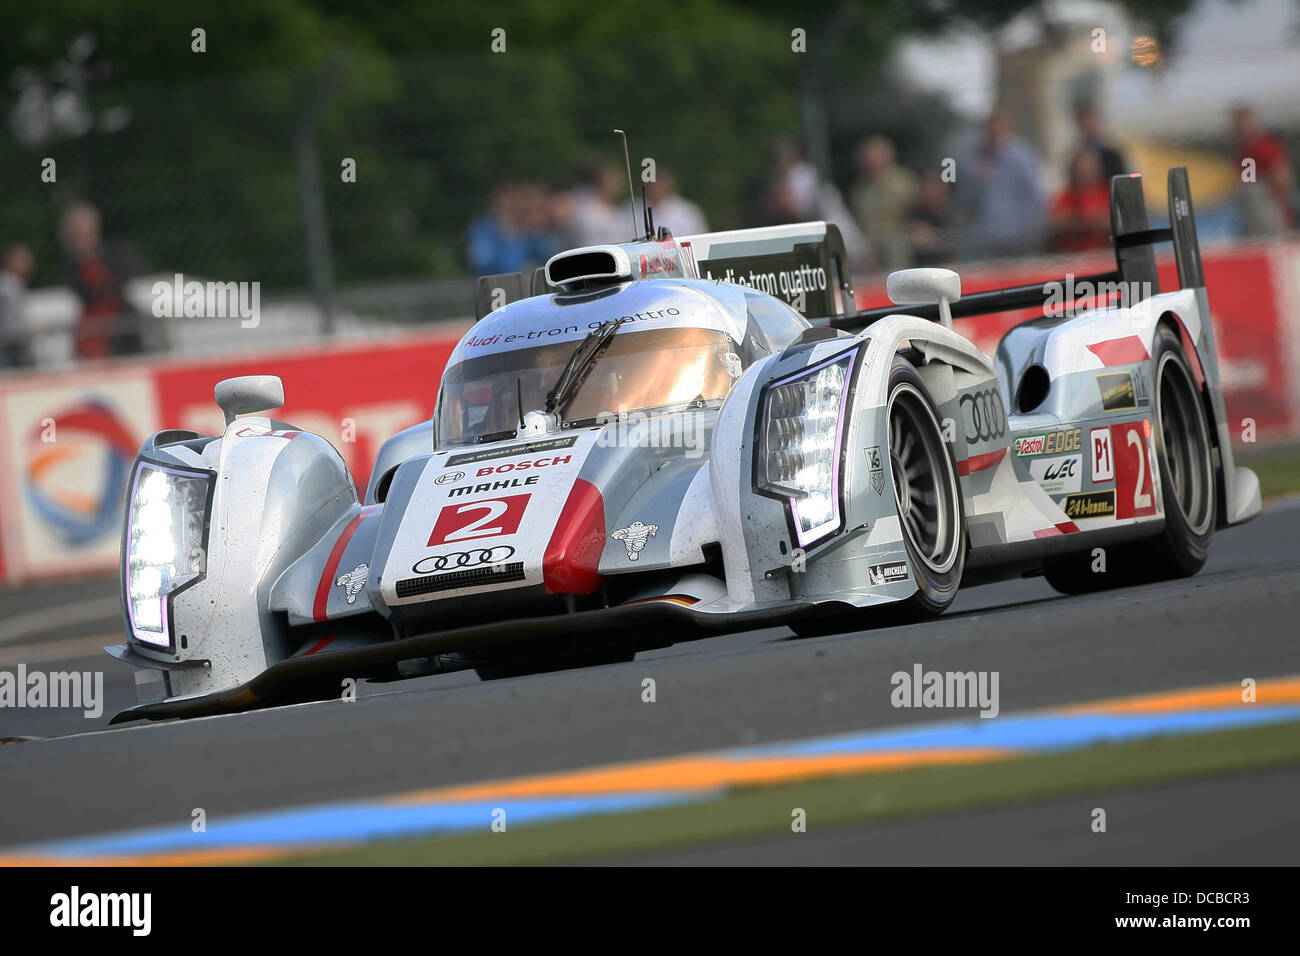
(799,445)
(165,545)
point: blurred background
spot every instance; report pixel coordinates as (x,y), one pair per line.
(363,165)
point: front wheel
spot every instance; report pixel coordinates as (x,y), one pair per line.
(927,494)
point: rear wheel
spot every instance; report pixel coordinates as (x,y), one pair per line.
(1186,456)
(927,494)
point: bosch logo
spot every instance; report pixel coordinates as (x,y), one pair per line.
(985,417)
(463,559)
(448,477)
(522,465)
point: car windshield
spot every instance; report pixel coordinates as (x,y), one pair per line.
(637,371)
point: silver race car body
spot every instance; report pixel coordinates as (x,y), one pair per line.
(679,437)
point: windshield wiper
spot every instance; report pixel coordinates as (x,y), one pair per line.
(495,436)
(579,365)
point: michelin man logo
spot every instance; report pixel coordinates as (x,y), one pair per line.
(634,537)
(354,581)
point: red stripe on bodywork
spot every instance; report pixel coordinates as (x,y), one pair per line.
(1123,351)
(332,565)
(1063,527)
(320,645)
(980,462)
(571,564)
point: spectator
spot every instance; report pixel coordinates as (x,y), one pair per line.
(797,193)
(515,234)
(97,273)
(15,272)
(595,217)
(681,216)
(881,198)
(1080,215)
(1266,202)
(929,222)
(1004,193)
(537,218)
(1088,121)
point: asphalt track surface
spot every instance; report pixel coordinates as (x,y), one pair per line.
(1240,617)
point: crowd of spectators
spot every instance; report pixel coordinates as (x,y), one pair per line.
(527,222)
(991,200)
(95,270)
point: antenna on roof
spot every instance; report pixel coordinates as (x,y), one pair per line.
(631,193)
(647,213)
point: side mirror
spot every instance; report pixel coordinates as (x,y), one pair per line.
(248,394)
(916,286)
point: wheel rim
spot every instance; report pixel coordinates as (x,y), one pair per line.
(924,487)
(1185,444)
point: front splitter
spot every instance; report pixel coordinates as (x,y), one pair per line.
(661,622)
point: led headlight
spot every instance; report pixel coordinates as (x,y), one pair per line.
(164,549)
(798,456)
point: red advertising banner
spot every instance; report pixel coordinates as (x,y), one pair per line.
(69,438)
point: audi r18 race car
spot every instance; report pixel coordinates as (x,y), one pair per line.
(675,437)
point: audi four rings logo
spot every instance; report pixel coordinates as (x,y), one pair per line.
(448,477)
(463,559)
(987,419)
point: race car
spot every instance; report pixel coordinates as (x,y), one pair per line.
(674,437)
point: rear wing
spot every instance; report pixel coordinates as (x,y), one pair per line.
(1135,259)
(495,291)
(803,264)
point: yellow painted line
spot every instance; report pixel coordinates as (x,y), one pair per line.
(708,771)
(699,773)
(1284,690)
(212,857)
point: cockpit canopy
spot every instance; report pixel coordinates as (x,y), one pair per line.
(679,344)
(655,369)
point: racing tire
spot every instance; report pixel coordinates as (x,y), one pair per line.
(931,515)
(1184,450)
